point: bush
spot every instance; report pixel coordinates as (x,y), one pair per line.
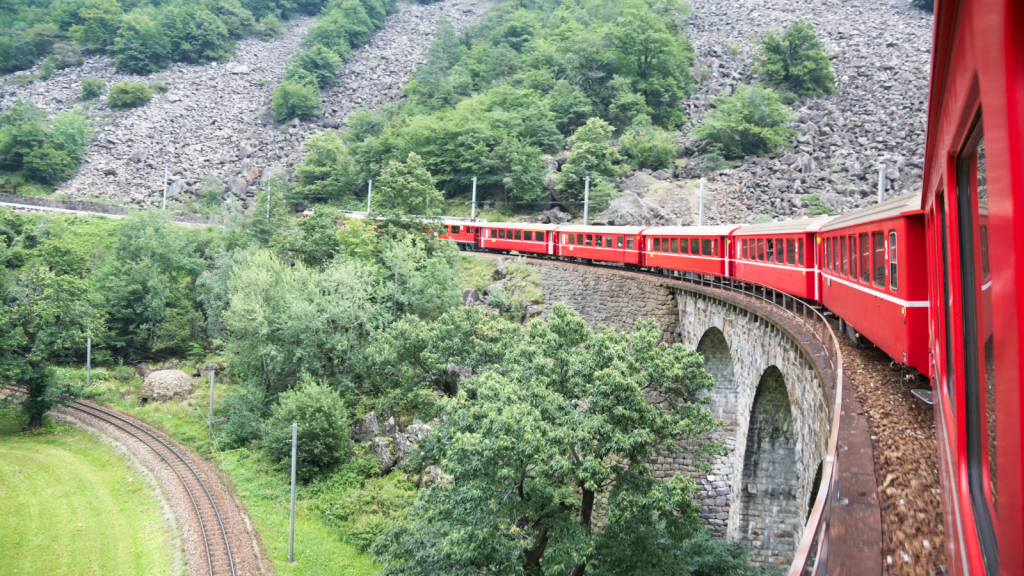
(128,95)
(794,61)
(141,47)
(93,88)
(589,154)
(323,435)
(269,28)
(65,55)
(237,20)
(158,87)
(648,147)
(295,100)
(15,54)
(196,36)
(318,61)
(750,121)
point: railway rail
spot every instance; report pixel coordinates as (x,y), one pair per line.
(216,543)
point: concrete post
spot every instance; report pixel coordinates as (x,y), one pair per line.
(88,359)
(369,195)
(586,198)
(268,200)
(210,422)
(291,530)
(472,212)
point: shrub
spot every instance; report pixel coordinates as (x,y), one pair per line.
(648,147)
(15,54)
(128,95)
(318,61)
(93,88)
(269,28)
(158,87)
(331,31)
(750,121)
(407,188)
(794,61)
(237,20)
(65,55)
(211,190)
(141,47)
(295,100)
(196,36)
(47,70)
(323,435)
(589,154)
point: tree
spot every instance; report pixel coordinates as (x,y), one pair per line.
(528,453)
(97,25)
(590,154)
(794,61)
(295,100)
(238,21)
(749,121)
(406,189)
(320,62)
(45,318)
(140,47)
(328,170)
(196,35)
(323,431)
(93,88)
(518,170)
(128,95)
(648,147)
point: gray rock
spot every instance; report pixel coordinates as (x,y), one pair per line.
(164,385)
(418,429)
(662,175)
(390,428)
(470,297)
(500,273)
(403,444)
(366,429)
(237,186)
(240,69)
(382,451)
(532,311)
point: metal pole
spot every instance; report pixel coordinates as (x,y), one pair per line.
(88,359)
(291,533)
(164,207)
(211,405)
(369,195)
(472,212)
(700,220)
(586,198)
(268,200)
(881,183)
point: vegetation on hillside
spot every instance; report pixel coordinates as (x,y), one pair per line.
(36,150)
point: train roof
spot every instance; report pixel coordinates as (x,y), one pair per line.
(905,205)
(691,230)
(522,225)
(603,229)
(784,227)
(466,221)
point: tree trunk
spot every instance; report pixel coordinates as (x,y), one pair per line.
(531,556)
(586,512)
(35,422)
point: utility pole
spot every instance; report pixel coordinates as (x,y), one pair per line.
(472,212)
(165,189)
(88,359)
(291,533)
(268,200)
(586,198)
(700,218)
(210,423)
(369,195)
(881,183)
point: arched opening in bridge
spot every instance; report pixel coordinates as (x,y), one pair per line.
(718,362)
(769,509)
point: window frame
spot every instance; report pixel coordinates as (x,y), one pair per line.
(878,254)
(852,241)
(865,257)
(893,262)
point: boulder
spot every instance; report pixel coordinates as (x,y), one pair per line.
(366,429)
(403,443)
(532,311)
(382,451)
(470,297)
(418,430)
(390,428)
(163,385)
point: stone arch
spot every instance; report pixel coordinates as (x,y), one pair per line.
(718,362)
(770,517)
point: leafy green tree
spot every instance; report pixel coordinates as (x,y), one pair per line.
(320,62)
(196,35)
(528,453)
(627,105)
(418,274)
(332,32)
(570,106)
(749,121)
(45,318)
(328,170)
(140,47)
(518,170)
(322,237)
(406,189)
(794,61)
(590,154)
(238,21)
(65,55)
(16,53)
(323,429)
(648,147)
(128,95)
(269,27)
(295,100)
(93,88)
(98,21)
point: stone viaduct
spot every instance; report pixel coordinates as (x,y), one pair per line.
(768,395)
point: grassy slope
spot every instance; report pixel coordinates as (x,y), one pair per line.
(67,507)
(263,489)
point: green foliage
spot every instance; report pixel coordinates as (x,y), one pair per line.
(328,170)
(648,147)
(93,88)
(794,61)
(817,207)
(360,512)
(269,27)
(323,429)
(749,121)
(96,24)
(318,61)
(140,47)
(44,153)
(406,189)
(528,450)
(196,36)
(762,219)
(590,154)
(158,87)
(15,54)
(238,21)
(295,100)
(128,95)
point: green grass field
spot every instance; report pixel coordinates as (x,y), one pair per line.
(70,505)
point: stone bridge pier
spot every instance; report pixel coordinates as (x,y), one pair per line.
(768,396)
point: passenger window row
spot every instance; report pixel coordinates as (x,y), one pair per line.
(694,246)
(777,250)
(596,240)
(862,257)
(527,235)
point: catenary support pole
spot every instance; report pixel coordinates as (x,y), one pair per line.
(164,207)
(700,218)
(472,211)
(88,359)
(369,195)
(291,530)
(211,405)
(586,198)
(268,201)
(881,183)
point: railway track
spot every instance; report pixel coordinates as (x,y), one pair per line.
(217,553)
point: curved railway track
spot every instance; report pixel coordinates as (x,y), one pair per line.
(216,543)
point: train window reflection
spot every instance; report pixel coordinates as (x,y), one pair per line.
(800,251)
(657,245)
(760,249)
(599,242)
(790,251)
(770,250)
(675,246)
(842,252)
(501,233)
(892,261)
(707,248)
(618,241)
(878,241)
(629,242)
(684,246)
(694,246)
(865,258)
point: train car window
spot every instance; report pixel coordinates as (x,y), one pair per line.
(590,239)
(629,242)
(598,241)
(528,235)
(744,249)
(878,242)
(455,229)
(707,248)
(978,348)
(790,251)
(618,241)
(519,234)
(675,245)
(800,251)
(865,258)
(501,233)
(828,254)
(842,256)
(684,246)
(694,246)
(770,243)
(780,251)
(760,249)
(986,273)
(892,261)
(541,236)
(579,239)
(853,256)
(657,245)
(608,241)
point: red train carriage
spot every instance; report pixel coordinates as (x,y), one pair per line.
(602,243)
(974,225)
(873,277)
(519,237)
(690,248)
(780,255)
(466,233)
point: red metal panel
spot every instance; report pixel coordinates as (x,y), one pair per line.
(790,278)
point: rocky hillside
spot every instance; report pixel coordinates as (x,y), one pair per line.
(880,51)
(215,119)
